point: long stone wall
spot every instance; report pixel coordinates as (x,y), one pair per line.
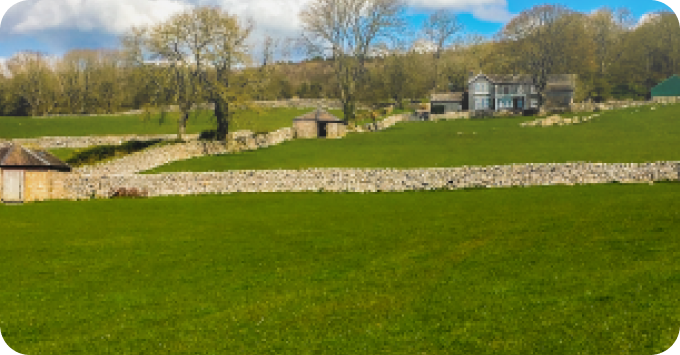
(615,105)
(73,186)
(89,141)
(157,156)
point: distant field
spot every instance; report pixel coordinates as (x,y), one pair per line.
(26,127)
(615,136)
(544,270)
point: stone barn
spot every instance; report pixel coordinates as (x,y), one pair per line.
(24,173)
(319,124)
(445,103)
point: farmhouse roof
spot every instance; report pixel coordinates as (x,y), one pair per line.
(510,79)
(447,97)
(318,115)
(554,79)
(14,155)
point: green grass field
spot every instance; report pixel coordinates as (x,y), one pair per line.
(27,127)
(545,270)
(615,136)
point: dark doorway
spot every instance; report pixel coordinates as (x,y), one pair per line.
(438,109)
(321,126)
(518,103)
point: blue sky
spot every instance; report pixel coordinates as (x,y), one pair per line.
(55,26)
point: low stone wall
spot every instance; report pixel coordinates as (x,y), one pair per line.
(666,99)
(89,141)
(382,124)
(450,116)
(157,156)
(556,120)
(609,105)
(74,186)
(301,103)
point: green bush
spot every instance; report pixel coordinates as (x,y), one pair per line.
(208,135)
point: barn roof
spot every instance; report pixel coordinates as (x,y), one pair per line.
(14,155)
(447,97)
(668,87)
(318,115)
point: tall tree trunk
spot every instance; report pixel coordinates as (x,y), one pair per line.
(221,114)
(182,124)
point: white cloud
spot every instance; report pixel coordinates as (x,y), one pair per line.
(646,18)
(484,10)
(64,24)
(424,46)
(114,16)
(3,67)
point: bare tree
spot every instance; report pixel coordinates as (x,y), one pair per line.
(538,48)
(200,49)
(441,29)
(346,30)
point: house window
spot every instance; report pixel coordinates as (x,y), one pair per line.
(481,103)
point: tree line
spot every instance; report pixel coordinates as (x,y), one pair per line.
(356,51)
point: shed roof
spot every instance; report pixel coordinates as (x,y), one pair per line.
(668,87)
(318,115)
(15,155)
(447,97)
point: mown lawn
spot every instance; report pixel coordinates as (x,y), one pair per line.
(27,127)
(544,270)
(615,136)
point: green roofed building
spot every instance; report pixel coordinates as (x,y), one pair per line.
(667,88)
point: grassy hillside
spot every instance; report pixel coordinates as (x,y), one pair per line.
(25,127)
(546,270)
(615,136)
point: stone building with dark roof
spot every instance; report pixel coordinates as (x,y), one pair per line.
(24,172)
(497,92)
(319,124)
(446,102)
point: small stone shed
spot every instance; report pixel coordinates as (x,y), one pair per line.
(319,124)
(447,102)
(24,173)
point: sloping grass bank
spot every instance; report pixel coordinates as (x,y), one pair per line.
(614,137)
(545,270)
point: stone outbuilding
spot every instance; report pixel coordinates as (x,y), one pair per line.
(319,124)
(446,102)
(24,173)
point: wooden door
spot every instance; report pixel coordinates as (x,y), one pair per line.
(12,186)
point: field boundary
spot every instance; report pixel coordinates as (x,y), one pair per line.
(76,186)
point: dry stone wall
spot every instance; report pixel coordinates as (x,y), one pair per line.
(89,141)
(157,156)
(615,105)
(556,120)
(82,186)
